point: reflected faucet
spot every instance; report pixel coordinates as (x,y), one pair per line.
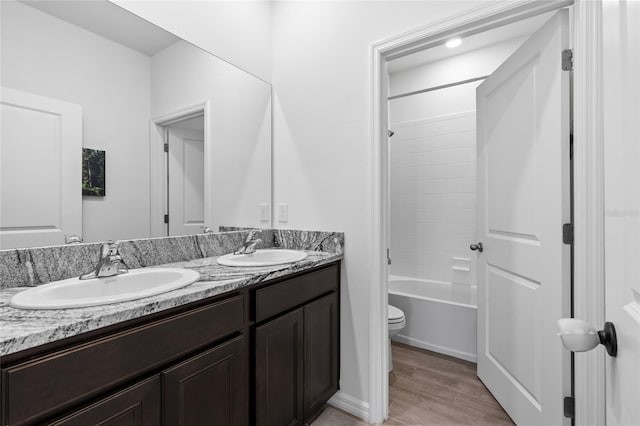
(110,263)
(249,245)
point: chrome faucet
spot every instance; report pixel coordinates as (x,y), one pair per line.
(110,263)
(249,245)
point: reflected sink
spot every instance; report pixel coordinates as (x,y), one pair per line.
(76,293)
(266,257)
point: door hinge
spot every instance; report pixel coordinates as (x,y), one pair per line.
(567,60)
(571,146)
(388,257)
(567,233)
(166,147)
(166,218)
(569,407)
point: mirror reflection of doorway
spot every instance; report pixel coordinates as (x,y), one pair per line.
(185,176)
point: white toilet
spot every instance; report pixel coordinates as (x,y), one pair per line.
(396,322)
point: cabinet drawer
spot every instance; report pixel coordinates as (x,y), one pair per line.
(138,405)
(48,384)
(277,298)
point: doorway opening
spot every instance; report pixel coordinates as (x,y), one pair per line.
(433,185)
(180,173)
(430,162)
(184,149)
(435,239)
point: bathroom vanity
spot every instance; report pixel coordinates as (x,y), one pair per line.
(264,353)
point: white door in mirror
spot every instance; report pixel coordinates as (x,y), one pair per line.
(76,293)
(269,257)
(186,178)
(40,160)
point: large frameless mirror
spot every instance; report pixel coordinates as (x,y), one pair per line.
(113,128)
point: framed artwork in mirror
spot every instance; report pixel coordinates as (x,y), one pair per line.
(93,172)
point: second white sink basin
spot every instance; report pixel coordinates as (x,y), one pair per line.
(76,293)
(266,257)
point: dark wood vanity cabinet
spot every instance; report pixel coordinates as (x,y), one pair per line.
(321,353)
(267,353)
(296,353)
(138,405)
(208,389)
(88,378)
(279,370)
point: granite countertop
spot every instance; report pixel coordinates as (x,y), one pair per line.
(23,329)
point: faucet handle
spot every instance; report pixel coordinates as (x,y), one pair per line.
(72,239)
(114,256)
(109,248)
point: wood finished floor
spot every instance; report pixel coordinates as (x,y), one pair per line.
(426,388)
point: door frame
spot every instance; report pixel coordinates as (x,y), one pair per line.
(588,297)
(158,163)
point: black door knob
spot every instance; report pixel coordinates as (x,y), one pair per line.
(477,247)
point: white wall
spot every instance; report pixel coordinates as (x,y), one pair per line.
(322,152)
(237,31)
(111,82)
(468,65)
(433,165)
(240,127)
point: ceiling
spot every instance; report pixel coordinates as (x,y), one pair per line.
(110,21)
(506,32)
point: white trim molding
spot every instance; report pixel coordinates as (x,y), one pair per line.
(588,158)
(351,405)
(435,348)
(588,182)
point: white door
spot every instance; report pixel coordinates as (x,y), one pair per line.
(40,137)
(523,201)
(621,35)
(186,180)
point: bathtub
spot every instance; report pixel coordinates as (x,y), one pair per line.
(441,317)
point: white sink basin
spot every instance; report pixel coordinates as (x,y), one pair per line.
(266,257)
(76,293)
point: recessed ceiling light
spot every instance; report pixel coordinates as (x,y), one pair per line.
(454,42)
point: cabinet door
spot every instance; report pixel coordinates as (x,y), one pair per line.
(209,388)
(321,353)
(279,357)
(138,405)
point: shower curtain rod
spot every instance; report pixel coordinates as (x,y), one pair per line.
(431,89)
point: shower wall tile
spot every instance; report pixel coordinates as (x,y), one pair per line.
(433,195)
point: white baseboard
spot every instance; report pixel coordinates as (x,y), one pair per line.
(435,348)
(351,405)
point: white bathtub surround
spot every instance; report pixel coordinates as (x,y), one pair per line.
(433,200)
(440,317)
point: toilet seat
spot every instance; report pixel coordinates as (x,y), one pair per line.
(395,323)
(395,315)
(393,326)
